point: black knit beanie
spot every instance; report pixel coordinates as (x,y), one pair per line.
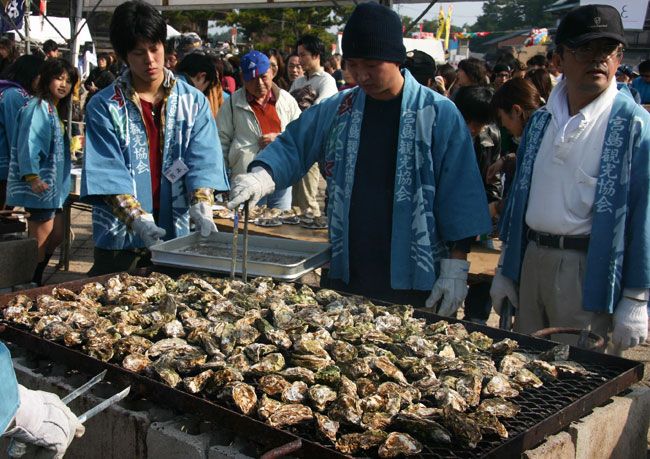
(374,31)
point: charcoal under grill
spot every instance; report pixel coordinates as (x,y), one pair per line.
(544,411)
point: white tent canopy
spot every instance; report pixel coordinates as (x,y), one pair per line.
(41,30)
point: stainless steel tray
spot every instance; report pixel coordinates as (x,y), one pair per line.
(279,258)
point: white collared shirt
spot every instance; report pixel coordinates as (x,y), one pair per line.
(320,81)
(563,185)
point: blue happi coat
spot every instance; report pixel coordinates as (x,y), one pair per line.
(39,147)
(116,159)
(619,248)
(12,98)
(9,388)
(439,195)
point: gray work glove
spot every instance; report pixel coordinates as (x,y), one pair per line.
(630,323)
(201,215)
(250,187)
(43,420)
(503,287)
(450,287)
(145,227)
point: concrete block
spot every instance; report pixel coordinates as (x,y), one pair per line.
(227,446)
(618,429)
(18,260)
(559,446)
(176,439)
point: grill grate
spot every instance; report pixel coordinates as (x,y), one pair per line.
(544,411)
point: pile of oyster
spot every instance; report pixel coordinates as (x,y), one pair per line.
(367,379)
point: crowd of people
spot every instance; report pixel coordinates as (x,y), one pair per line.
(421,161)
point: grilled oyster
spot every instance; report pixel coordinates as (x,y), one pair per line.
(130,345)
(342,351)
(175,346)
(273,384)
(499,386)
(44,321)
(267,406)
(426,430)
(173,329)
(222,377)
(481,341)
(270,363)
(164,368)
(446,397)
(398,444)
(326,427)
(321,395)
(512,363)
(195,384)
(56,330)
(136,362)
(242,395)
(295,393)
(376,420)
(356,368)
(569,368)
(526,378)
(72,338)
(347,387)
(345,409)
(365,387)
(463,427)
(542,369)
(330,375)
(100,346)
(298,374)
(505,346)
(387,368)
(489,424)
(559,352)
(289,415)
(310,361)
(355,442)
(499,407)
(256,351)
(276,336)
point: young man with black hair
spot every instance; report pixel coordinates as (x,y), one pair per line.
(311,50)
(51,49)
(405,195)
(576,229)
(152,160)
(473,102)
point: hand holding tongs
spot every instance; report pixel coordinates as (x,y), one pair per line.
(235,231)
(18,449)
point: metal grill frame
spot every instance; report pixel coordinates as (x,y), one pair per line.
(539,417)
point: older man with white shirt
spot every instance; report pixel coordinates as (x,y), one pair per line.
(576,227)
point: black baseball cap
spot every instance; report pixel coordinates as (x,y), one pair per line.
(588,23)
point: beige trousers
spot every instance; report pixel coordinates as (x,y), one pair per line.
(305,192)
(550,294)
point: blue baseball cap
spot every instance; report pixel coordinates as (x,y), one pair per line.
(253,65)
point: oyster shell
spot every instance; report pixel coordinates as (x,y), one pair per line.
(376,420)
(242,395)
(273,384)
(355,442)
(295,393)
(542,369)
(345,409)
(398,443)
(289,415)
(330,375)
(342,351)
(425,430)
(505,346)
(195,384)
(499,386)
(136,362)
(321,395)
(526,378)
(489,424)
(270,363)
(499,407)
(173,329)
(298,374)
(463,427)
(326,427)
(56,330)
(267,406)
(387,368)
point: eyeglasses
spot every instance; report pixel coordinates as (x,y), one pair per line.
(586,54)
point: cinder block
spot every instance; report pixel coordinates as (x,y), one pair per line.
(173,440)
(18,260)
(616,430)
(231,447)
(559,446)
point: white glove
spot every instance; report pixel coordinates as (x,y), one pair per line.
(503,287)
(630,323)
(250,187)
(43,420)
(145,227)
(201,214)
(450,287)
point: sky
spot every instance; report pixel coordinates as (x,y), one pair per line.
(463,12)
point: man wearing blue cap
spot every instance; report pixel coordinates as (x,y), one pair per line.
(252,118)
(576,228)
(405,197)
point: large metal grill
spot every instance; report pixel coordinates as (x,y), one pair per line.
(544,411)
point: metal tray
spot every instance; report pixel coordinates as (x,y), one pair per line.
(301,257)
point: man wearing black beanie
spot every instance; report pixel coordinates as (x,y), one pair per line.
(405,194)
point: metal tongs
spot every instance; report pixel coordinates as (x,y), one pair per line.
(235,231)
(19,449)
